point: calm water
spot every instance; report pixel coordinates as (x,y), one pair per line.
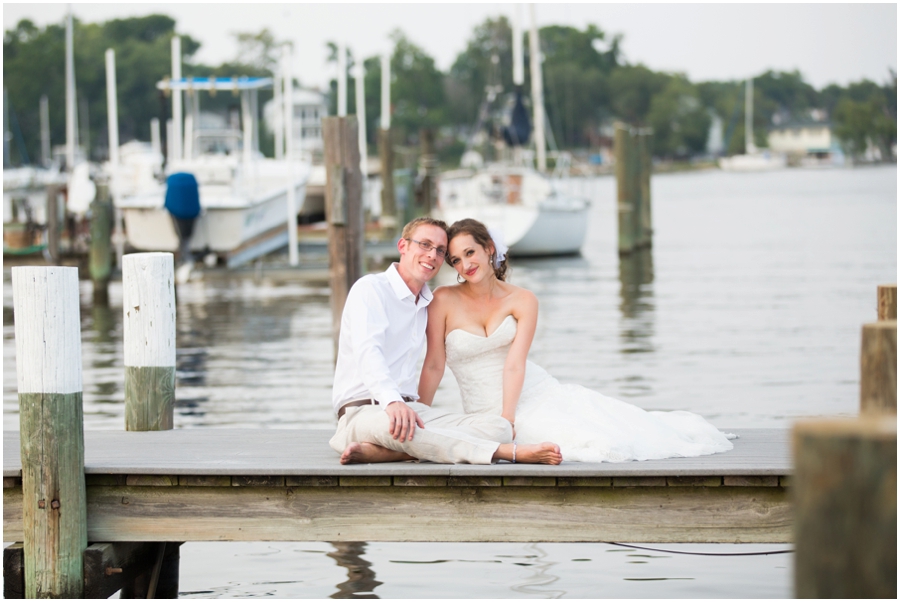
(748,311)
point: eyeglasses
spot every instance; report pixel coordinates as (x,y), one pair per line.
(427,247)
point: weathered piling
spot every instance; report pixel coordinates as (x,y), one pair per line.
(148,307)
(53,222)
(426,191)
(845,507)
(624,191)
(389,219)
(878,368)
(887,302)
(343,211)
(100,255)
(48,369)
(633,169)
(878,357)
(645,163)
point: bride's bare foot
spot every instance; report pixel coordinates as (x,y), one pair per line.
(539,453)
(366,453)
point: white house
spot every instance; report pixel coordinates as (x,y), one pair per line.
(802,138)
(310,105)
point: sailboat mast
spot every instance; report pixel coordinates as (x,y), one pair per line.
(177,137)
(537,94)
(71,118)
(749,145)
(518,51)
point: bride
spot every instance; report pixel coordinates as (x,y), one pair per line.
(483,328)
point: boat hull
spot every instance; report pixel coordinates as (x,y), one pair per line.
(529,231)
(219,229)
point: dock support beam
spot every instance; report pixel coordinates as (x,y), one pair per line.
(343,211)
(878,358)
(389,219)
(633,169)
(100,255)
(426,191)
(48,359)
(148,304)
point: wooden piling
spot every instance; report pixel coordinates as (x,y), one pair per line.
(426,195)
(645,163)
(845,506)
(878,368)
(633,168)
(343,212)
(100,255)
(148,305)
(53,222)
(48,360)
(389,219)
(624,184)
(887,302)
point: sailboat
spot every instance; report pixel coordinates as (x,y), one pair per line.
(533,214)
(753,159)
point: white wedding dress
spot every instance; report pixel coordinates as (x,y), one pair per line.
(587,426)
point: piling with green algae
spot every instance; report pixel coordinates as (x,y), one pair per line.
(148,307)
(48,370)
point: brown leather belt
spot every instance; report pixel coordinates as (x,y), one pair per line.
(365,402)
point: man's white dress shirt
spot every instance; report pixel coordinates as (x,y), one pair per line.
(382,337)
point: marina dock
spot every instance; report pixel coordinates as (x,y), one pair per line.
(288,485)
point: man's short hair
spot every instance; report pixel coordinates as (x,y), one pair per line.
(409,228)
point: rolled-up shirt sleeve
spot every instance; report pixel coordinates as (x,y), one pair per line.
(368,323)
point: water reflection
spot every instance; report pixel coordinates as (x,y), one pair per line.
(540,578)
(361,582)
(636,302)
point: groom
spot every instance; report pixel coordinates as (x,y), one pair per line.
(382,336)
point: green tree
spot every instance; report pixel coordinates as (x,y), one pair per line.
(632,89)
(142,46)
(679,120)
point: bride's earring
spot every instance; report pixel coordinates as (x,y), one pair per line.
(460,279)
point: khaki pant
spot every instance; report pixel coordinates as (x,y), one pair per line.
(447,438)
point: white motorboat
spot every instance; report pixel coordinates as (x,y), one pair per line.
(244,197)
(534,216)
(238,204)
(753,158)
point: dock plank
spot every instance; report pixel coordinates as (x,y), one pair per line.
(283,452)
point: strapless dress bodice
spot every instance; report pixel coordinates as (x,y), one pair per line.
(477,363)
(587,425)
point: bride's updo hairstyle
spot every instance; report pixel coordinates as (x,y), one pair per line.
(479,232)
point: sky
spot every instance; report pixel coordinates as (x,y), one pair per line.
(827,43)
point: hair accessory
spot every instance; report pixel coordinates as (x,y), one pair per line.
(500,247)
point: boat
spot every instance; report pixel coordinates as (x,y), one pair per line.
(244,197)
(753,159)
(516,197)
(535,217)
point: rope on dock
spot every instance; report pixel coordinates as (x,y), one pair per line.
(625,545)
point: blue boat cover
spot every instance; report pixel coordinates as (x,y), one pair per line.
(182,195)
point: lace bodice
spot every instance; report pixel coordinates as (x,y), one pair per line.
(477,363)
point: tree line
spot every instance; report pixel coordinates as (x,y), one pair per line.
(587,82)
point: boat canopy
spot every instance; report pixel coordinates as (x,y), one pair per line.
(216,83)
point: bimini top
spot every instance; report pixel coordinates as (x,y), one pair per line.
(215,83)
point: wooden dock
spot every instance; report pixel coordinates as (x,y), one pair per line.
(287,485)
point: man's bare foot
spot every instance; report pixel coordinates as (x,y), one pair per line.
(539,453)
(366,453)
